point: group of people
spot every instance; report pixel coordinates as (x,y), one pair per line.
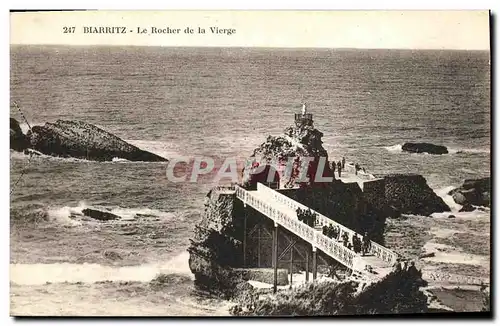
(357,245)
(339,166)
(331,231)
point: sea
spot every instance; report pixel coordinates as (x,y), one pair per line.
(208,102)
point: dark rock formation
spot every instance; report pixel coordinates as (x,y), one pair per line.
(410,194)
(397,293)
(99,215)
(18,140)
(424,148)
(299,141)
(473,192)
(217,246)
(467,208)
(451,216)
(86,141)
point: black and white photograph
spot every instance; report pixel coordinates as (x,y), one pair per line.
(250,163)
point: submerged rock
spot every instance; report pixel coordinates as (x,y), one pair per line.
(85,141)
(99,215)
(18,140)
(473,192)
(424,148)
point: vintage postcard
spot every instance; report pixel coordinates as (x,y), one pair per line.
(250,163)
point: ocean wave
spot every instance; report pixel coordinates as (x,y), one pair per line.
(176,267)
(161,148)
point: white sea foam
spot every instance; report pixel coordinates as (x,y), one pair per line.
(33,274)
(395,148)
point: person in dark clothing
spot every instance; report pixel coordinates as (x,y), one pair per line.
(339,168)
(345,239)
(356,243)
(356,168)
(367,245)
(333,164)
(343,163)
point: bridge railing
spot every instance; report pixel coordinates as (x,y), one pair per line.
(378,250)
(289,220)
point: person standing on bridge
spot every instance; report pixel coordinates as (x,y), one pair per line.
(333,164)
(343,163)
(345,239)
(339,168)
(367,244)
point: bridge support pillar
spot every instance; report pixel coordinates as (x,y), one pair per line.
(275,257)
(307,265)
(245,239)
(291,266)
(315,263)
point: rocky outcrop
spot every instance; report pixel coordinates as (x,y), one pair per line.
(299,141)
(217,246)
(85,141)
(424,148)
(410,194)
(99,215)
(397,293)
(473,192)
(18,140)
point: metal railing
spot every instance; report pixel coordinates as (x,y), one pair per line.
(288,219)
(377,250)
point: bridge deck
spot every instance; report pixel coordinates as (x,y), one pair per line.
(283,210)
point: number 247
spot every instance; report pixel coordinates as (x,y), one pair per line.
(68,29)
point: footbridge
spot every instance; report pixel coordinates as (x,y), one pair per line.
(282,210)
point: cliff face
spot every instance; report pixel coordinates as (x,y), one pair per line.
(83,140)
(18,140)
(410,194)
(299,141)
(217,245)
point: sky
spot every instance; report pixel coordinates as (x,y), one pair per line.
(467,30)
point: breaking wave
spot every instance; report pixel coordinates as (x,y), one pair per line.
(32,274)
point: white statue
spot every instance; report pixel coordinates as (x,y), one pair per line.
(304,110)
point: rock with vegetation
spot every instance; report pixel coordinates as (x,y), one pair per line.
(410,194)
(85,141)
(424,148)
(397,293)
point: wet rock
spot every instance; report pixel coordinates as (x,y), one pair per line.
(18,140)
(427,255)
(85,141)
(451,216)
(473,192)
(424,148)
(467,208)
(99,215)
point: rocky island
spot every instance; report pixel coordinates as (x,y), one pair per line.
(78,140)
(237,244)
